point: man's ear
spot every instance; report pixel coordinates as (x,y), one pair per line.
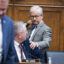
(42,16)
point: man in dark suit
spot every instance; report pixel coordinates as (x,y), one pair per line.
(6,35)
(20,39)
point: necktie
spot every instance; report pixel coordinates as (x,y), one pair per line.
(34,26)
(22,56)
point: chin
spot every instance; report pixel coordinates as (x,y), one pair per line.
(34,23)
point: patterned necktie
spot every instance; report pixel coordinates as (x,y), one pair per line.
(22,56)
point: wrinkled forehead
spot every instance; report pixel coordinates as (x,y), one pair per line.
(3,3)
(4,0)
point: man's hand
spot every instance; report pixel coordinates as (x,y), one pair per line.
(33,44)
(29,22)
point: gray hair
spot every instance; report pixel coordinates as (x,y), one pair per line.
(18,27)
(37,9)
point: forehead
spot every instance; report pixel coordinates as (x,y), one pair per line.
(35,13)
(4,0)
(23,29)
(3,4)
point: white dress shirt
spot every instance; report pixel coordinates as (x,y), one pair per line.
(1,42)
(32,34)
(18,51)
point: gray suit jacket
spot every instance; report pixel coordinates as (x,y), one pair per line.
(42,35)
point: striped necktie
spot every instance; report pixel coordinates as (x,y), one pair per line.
(22,56)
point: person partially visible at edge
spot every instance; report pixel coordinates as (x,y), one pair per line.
(6,35)
(39,33)
(22,41)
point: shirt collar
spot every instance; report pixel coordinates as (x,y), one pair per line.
(16,43)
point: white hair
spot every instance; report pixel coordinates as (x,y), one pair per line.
(37,9)
(19,27)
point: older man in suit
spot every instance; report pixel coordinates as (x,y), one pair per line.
(6,35)
(21,40)
(39,33)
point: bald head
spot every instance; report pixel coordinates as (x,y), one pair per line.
(3,7)
(4,0)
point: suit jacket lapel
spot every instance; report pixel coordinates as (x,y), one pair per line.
(4,37)
(16,57)
(26,52)
(37,29)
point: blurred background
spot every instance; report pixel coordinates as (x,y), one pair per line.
(53,15)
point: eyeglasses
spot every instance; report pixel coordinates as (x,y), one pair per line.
(35,16)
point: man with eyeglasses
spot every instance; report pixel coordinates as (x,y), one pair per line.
(39,33)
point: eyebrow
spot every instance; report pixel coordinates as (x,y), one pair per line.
(2,8)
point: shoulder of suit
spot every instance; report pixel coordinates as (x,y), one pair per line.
(26,41)
(44,26)
(7,18)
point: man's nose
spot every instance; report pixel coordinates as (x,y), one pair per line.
(34,18)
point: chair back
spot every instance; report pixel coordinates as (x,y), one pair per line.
(55,57)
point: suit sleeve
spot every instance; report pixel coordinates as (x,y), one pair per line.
(46,38)
(38,54)
(34,54)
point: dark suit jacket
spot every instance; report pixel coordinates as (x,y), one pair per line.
(29,53)
(8,40)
